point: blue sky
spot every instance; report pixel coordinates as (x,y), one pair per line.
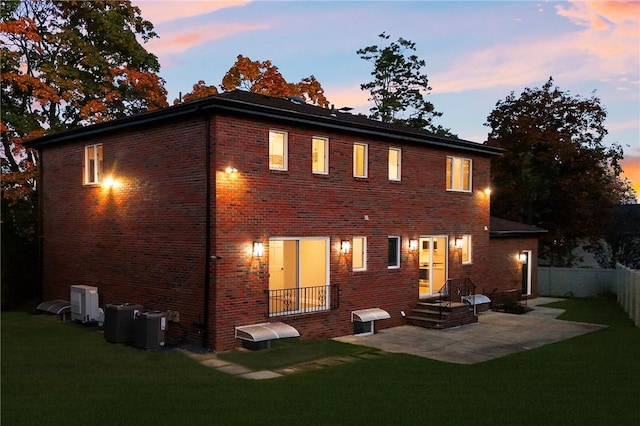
(476,52)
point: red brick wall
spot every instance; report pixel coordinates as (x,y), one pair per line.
(144,242)
(258,204)
(505,270)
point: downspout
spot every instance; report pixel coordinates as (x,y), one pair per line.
(40,226)
(207,256)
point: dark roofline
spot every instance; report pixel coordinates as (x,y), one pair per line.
(261,106)
(502,228)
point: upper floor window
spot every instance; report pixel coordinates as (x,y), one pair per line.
(458,174)
(277,150)
(360,160)
(359,259)
(395,158)
(394,253)
(92,164)
(320,155)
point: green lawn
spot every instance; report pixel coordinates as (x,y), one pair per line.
(66,374)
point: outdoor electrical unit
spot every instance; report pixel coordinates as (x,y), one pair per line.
(149,328)
(119,322)
(84,304)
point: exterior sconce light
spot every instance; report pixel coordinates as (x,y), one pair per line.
(487,191)
(522,257)
(111,182)
(258,249)
(458,242)
(345,246)
(413,245)
(229,170)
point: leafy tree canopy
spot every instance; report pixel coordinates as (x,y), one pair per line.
(556,172)
(261,77)
(399,85)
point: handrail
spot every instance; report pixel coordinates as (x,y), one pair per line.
(455,288)
(302,300)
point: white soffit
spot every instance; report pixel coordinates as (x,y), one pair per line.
(372,314)
(265,331)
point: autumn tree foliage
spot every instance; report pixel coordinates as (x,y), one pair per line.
(556,172)
(262,77)
(399,85)
(64,64)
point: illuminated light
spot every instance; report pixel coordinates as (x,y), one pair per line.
(413,245)
(522,257)
(458,243)
(258,249)
(345,246)
(230,170)
(111,182)
(487,191)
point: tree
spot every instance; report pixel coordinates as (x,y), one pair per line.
(65,64)
(556,172)
(262,77)
(399,86)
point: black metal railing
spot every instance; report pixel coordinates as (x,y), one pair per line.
(455,289)
(302,300)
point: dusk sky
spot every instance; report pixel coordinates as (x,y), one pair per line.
(476,52)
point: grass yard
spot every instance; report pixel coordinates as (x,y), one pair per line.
(67,374)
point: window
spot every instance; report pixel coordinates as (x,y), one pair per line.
(360,160)
(277,150)
(466,249)
(359,259)
(458,174)
(394,253)
(395,157)
(319,155)
(299,275)
(92,164)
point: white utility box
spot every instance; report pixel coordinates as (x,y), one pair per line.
(84,304)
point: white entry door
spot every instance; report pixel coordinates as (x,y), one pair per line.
(433,256)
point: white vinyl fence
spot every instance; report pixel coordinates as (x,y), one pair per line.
(591,282)
(629,291)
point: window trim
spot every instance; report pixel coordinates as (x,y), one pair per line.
(285,150)
(364,254)
(98,158)
(326,155)
(398,251)
(365,160)
(450,172)
(398,165)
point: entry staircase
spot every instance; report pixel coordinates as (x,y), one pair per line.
(447,309)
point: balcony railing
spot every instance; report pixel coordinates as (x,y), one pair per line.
(302,300)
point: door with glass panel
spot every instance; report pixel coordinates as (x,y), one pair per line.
(434,252)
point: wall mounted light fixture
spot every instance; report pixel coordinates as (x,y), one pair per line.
(413,244)
(258,249)
(345,246)
(487,191)
(230,170)
(522,257)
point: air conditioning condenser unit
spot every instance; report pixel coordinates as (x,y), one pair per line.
(84,304)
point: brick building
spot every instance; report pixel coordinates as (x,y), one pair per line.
(242,209)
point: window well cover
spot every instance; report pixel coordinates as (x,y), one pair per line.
(372,314)
(266,331)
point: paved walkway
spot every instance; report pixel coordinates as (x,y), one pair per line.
(494,335)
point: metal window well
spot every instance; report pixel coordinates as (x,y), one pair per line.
(149,328)
(118,322)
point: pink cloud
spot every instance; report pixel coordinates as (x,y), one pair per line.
(191,36)
(604,46)
(161,11)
